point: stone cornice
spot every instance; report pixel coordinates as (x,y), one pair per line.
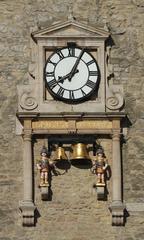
(37,115)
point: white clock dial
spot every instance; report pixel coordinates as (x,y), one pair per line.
(71,74)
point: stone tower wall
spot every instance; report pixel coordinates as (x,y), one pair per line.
(74,213)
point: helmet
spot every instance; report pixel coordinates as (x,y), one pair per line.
(100,151)
(44,150)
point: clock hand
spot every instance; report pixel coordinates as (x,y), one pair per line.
(66,76)
(75,65)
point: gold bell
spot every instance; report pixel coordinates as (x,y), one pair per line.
(60,154)
(80,152)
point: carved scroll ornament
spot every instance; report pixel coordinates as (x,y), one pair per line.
(115,101)
(27,101)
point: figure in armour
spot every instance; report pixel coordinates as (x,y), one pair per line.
(43,167)
(100,165)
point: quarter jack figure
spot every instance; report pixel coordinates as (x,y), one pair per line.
(99,167)
(43,166)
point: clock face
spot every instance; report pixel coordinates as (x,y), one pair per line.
(71,74)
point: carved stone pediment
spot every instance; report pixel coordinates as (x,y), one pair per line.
(70,28)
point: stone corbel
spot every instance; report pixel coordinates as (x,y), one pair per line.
(44,192)
(117,211)
(100,192)
(28,213)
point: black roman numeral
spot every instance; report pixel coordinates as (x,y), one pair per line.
(52,63)
(90,62)
(71,52)
(60,54)
(90,84)
(60,92)
(83,93)
(50,74)
(52,83)
(93,73)
(71,95)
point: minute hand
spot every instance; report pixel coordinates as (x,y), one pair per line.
(75,65)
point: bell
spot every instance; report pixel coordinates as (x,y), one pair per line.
(80,152)
(60,154)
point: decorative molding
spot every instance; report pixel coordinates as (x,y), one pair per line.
(27,101)
(115,101)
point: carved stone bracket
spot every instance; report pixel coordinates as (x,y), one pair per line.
(44,193)
(100,192)
(117,211)
(28,213)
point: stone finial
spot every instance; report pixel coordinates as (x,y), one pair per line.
(70,12)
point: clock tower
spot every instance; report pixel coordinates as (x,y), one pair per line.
(70,95)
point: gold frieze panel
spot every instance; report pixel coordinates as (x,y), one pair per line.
(62,124)
(50,124)
(94,124)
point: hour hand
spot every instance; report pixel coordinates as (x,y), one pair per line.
(61,79)
(74,69)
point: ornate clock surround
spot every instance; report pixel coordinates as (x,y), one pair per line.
(38,110)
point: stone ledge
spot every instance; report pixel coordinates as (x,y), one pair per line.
(135,208)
